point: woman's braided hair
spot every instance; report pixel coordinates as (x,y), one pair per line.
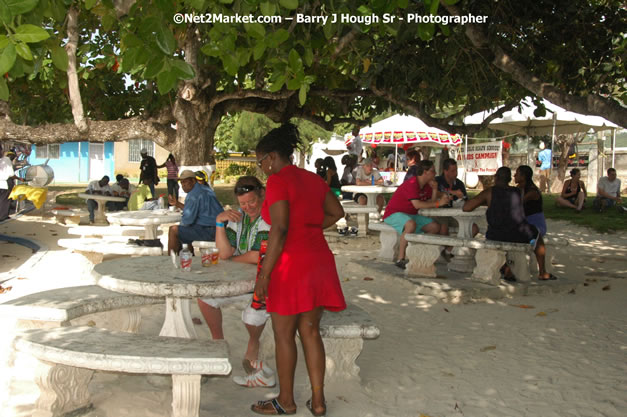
(282,140)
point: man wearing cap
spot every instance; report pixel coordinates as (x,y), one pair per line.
(148,169)
(199,213)
(366,174)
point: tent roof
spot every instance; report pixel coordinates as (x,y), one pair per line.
(402,129)
(525,122)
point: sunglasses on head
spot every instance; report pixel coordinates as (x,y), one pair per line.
(246,189)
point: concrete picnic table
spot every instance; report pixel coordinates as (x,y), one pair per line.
(464,258)
(150,219)
(156,276)
(371,192)
(99,216)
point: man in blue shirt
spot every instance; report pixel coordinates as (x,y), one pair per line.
(199,213)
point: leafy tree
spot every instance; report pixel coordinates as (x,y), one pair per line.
(123,69)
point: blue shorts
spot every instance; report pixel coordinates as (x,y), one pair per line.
(195,233)
(398,221)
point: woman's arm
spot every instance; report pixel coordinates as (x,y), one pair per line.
(531,195)
(333,210)
(583,187)
(280,220)
(330,174)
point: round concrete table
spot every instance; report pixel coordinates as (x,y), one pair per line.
(150,219)
(371,192)
(155,276)
(99,215)
(464,258)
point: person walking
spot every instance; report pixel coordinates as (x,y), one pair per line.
(298,277)
(173,174)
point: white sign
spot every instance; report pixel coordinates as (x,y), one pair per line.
(484,158)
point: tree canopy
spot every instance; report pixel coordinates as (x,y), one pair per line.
(103,70)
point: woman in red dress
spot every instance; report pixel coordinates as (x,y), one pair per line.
(298,277)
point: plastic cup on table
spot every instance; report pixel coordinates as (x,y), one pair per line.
(206,257)
(215,256)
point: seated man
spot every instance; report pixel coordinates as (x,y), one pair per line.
(142,198)
(199,214)
(608,191)
(402,211)
(122,188)
(240,241)
(506,219)
(97,187)
(367,174)
(448,183)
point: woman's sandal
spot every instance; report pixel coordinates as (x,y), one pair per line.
(311,410)
(551,277)
(270,408)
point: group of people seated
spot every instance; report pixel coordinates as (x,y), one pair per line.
(574,192)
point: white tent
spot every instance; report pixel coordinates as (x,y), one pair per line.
(556,121)
(334,148)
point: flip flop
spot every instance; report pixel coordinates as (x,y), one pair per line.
(550,278)
(311,410)
(277,409)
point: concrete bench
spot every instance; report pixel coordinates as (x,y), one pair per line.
(363,215)
(114,230)
(490,256)
(69,356)
(343,334)
(389,241)
(69,216)
(64,306)
(96,249)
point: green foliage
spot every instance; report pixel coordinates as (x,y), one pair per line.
(237,170)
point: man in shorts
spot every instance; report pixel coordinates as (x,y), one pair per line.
(198,222)
(402,211)
(239,234)
(608,191)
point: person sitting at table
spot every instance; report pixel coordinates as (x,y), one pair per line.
(320,169)
(608,191)
(506,220)
(331,177)
(239,234)
(574,192)
(448,183)
(412,157)
(532,198)
(142,198)
(199,214)
(402,210)
(350,163)
(367,174)
(122,188)
(101,187)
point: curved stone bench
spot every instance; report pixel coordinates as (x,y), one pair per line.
(61,306)
(72,216)
(424,249)
(95,249)
(114,230)
(343,334)
(69,355)
(389,241)
(363,215)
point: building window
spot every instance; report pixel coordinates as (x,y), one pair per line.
(136,145)
(48,151)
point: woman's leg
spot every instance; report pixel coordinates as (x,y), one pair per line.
(581,198)
(284,328)
(410,227)
(562,202)
(309,330)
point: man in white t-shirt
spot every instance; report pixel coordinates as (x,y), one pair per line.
(608,191)
(96,187)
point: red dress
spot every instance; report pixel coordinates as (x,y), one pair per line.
(304,276)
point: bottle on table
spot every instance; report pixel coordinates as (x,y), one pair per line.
(186,258)
(372,179)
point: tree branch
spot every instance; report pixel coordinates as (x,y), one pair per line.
(591,104)
(72,76)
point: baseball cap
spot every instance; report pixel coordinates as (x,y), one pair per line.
(187,174)
(367,161)
(144,151)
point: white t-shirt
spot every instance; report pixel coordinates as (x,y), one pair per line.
(361,175)
(115,188)
(6,172)
(95,186)
(612,188)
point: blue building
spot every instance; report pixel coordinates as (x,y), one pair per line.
(76,162)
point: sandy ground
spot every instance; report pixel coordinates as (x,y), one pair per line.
(563,353)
